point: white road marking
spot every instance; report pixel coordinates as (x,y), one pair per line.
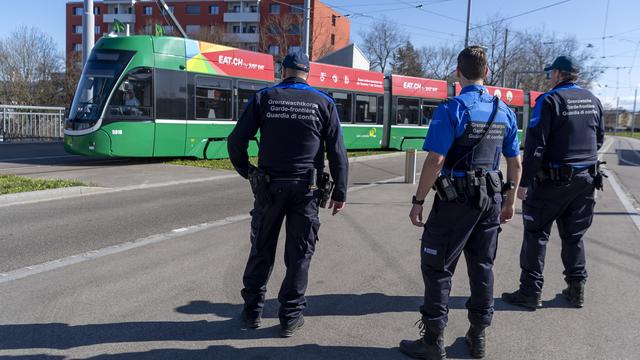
(153,239)
(622,196)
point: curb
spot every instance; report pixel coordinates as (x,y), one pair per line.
(47,195)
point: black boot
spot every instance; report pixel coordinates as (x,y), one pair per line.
(287,330)
(476,341)
(430,346)
(519,299)
(251,322)
(575,292)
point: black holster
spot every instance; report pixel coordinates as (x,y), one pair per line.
(260,181)
(598,175)
(325,189)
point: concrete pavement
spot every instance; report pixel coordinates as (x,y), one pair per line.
(179,298)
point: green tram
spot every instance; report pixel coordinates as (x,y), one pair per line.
(145,96)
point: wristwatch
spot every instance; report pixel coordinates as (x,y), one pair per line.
(415,201)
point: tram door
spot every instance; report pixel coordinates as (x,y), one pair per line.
(171,112)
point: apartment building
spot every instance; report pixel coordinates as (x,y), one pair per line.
(270,26)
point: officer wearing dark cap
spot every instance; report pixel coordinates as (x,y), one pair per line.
(561,172)
(297,124)
(465,141)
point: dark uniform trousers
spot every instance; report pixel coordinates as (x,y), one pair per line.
(294,201)
(452,228)
(570,205)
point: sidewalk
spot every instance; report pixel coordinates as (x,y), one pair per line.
(179,298)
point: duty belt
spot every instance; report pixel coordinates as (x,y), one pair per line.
(564,173)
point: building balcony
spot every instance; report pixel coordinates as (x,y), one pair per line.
(123,18)
(242,17)
(241,38)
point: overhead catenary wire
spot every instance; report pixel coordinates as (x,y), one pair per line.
(522,14)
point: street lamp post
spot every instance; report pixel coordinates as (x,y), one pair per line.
(466,36)
(88,32)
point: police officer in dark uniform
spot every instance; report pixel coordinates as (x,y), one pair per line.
(561,172)
(297,123)
(465,140)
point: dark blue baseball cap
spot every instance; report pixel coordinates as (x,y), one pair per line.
(296,60)
(564,63)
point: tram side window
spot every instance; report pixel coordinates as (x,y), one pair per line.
(519,116)
(343,105)
(171,94)
(133,98)
(245,93)
(213,98)
(408,112)
(366,109)
(427,114)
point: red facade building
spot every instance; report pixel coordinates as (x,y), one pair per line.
(267,26)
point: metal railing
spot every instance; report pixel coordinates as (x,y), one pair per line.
(19,123)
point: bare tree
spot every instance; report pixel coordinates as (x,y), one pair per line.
(440,62)
(381,42)
(71,78)
(211,34)
(281,31)
(29,62)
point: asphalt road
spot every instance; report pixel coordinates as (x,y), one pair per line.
(36,233)
(178,297)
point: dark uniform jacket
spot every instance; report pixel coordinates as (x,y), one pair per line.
(297,123)
(566,129)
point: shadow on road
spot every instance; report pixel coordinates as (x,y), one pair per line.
(335,305)
(65,336)
(308,351)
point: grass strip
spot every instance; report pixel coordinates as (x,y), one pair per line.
(635,135)
(11,184)
(225,164)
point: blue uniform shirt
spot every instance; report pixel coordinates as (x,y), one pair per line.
(450,119)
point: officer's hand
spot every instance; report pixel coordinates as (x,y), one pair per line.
(522,193)
(416,215)
(337,206)
(507,213)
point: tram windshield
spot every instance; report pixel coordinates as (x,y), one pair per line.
(96,83)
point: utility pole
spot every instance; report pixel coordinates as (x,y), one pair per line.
(307,26)
(504,57)
(633,114)
(466,36)
(615,126)
(88,32)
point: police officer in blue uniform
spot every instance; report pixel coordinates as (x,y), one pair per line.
(297,123)
(466,138)
(561,172)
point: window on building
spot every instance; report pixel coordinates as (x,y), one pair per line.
(115,10)
(193,10)
(252,47)
(274,49)
(77,47)
(171,10)
(294,49)
(343,105)
(129,10)
(333,20)
(408,111)
(294,29)
(296,8)
(192,29)
(273,29)
(274,9)
(97,29)
(214,9)
(133,99)
(250,29)
(213,98)
(77,11)
(77,29)
(148,10)
(236,8)
(333,39)
(236,29)
(168,29)
(366,109)
(96,11)
(147,29)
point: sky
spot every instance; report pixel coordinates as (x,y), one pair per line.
(441,21)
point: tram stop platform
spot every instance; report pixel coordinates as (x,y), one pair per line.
(178,297)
